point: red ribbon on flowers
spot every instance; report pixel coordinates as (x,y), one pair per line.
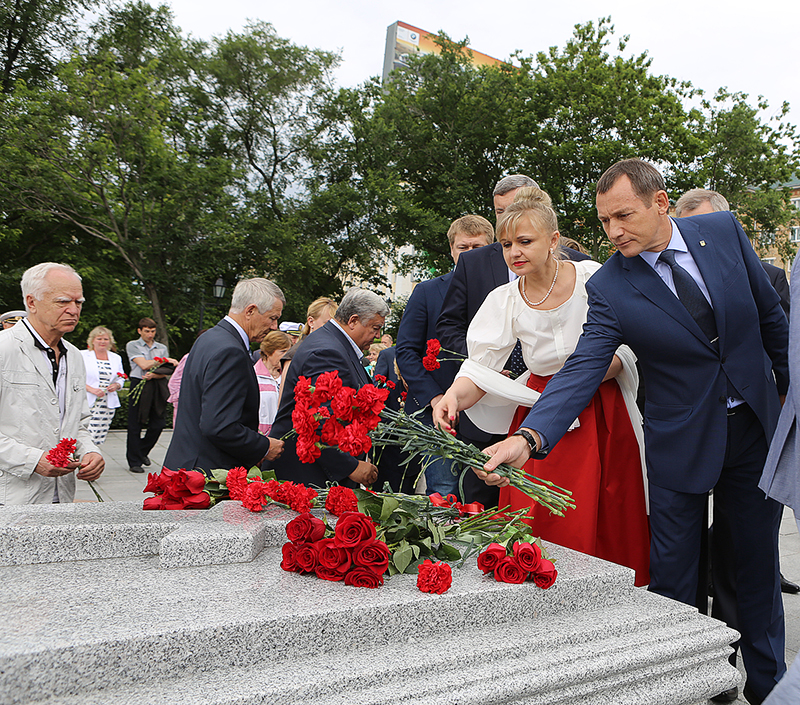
(452,501)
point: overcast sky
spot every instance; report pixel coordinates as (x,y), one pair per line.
(747,46)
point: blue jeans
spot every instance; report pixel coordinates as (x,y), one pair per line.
(438,476)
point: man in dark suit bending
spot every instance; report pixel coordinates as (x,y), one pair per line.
(693,302)
(217,423)
(338,345)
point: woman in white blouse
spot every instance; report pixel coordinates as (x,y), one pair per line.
(601,459)
(104,378)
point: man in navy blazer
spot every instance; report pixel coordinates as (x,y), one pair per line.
(418,325)
(338,345)
(217,423)
(711,402)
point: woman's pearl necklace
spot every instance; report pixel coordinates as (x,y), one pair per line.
(549,291)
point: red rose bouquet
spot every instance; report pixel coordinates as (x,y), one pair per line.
(177,489)
(526,561)
(350,553)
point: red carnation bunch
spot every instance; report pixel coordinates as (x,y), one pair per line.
(351,553)
(61,455)
(523,563)
(340,500)
(255,494)
(177,489)
(380,379)
(160,360)
(345,423)
(434,577)
(431,360)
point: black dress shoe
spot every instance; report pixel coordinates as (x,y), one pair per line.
(750,696)
(136,468)
(788,586)
(146,462)
(726,696)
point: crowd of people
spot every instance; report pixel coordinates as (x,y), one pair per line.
(641,385)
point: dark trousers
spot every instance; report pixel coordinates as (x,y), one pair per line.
(747,545)
(139,448)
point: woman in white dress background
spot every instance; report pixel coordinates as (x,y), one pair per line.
(601,459)
(104,378)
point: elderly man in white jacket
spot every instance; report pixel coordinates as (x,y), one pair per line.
(43,393)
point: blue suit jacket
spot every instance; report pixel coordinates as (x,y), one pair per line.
(417,326)
(324,350)
(685,418)
(217,424)
(781,478)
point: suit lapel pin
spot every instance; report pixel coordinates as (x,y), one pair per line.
(702,243)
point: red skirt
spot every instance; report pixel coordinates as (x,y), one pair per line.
(599,463)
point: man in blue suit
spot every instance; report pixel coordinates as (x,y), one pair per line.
(338,345)
(217,423)
(418,325)
(693,302)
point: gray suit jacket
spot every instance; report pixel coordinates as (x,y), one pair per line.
(781,477)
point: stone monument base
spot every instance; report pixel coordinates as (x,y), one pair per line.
(106,603)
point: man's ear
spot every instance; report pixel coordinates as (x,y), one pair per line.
(351,322)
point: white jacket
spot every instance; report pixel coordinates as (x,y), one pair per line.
(93,376)
(29,418)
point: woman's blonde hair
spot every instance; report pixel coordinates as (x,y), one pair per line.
(275,340)
(531,204)
(315,309)
(100,330)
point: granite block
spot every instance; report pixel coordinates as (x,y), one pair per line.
(248,632)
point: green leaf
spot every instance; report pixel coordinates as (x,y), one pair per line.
(402,557)
(389,506)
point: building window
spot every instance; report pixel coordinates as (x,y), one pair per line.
(795,234)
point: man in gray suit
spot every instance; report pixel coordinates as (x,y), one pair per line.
(781,477)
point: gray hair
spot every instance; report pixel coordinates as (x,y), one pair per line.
(34,280)
(509,183)
(692,200)
(362,303)
(259,291)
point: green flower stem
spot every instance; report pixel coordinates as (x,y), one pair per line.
(94,489)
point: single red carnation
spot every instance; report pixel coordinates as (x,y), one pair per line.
(325,386)
(546,575)
(331,430)
(301,498)
(303,421)
(431,363)
(61,455)
(307,449)
(371,400)
(236,482)
(302,392)
(354,439)
(434,577)
(254,497)
(342,404)
(433,347)
(341,499)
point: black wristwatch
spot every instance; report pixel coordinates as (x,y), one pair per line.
(529,439)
